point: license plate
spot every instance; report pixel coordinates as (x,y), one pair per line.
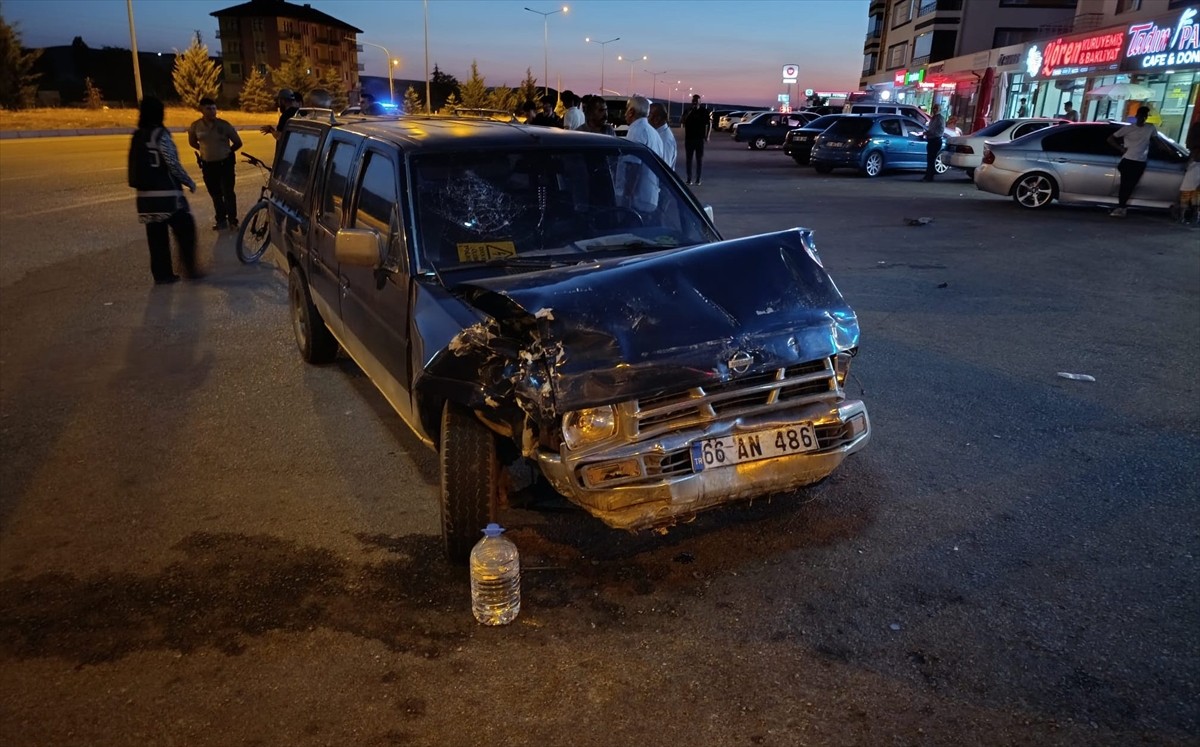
(711,453)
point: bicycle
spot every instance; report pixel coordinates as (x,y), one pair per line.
(254,235)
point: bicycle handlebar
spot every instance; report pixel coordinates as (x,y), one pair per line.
(255,161)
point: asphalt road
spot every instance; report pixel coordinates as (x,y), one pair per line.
(204,541)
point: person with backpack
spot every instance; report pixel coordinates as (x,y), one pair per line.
(159,178)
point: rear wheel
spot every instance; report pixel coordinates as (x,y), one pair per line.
(1034,191)
(470,483)
(939,163)
(314,340)
(873,164)
(255,234)
(758,143)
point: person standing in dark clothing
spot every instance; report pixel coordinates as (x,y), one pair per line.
(288,106)
(697,125)
(934,132)
(158,177)
(218,143)
(546,117)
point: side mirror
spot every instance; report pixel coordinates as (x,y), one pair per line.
(358,247)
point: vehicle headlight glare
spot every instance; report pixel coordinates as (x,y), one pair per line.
(589,425)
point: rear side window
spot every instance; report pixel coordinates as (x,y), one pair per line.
(994,129)
(851,127)
(1027,128)
(294,166)
(862,109)
(1087,140)
(335,184)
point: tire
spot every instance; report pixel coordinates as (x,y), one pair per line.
(939,163)
(1034,191)
(758,143)
(823,168)
(800,160)
(873,164)
(316,343)
(470,483)
(255,234)
(971,174)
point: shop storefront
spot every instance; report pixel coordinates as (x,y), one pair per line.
(1108,73)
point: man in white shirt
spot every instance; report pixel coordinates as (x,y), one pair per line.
(658,120)
(636,183)
(1133,140)
(573,115)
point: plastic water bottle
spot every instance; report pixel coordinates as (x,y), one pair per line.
(495,578)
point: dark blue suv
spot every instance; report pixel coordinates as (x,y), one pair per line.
(873,143)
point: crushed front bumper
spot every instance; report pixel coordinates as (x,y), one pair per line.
(667,489)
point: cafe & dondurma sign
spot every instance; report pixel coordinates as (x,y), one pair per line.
(1153,45)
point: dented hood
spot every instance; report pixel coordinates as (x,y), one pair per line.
(619,329)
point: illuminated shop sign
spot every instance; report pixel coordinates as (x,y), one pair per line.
(1175,45)
(905,78)
(1075,57)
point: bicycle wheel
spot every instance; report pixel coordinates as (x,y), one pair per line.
(255,234)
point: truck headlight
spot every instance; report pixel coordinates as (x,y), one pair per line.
(591,424)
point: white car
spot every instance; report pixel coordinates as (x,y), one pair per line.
(726,121)
(966,151)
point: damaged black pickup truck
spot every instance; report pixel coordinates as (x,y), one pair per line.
(525,293)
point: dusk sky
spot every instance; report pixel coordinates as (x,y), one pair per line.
(727,50)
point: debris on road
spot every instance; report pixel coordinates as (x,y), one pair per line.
(923,220)
(1075,376)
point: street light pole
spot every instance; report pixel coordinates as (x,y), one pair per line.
(391,85)
(546,45)
(622,59)
(137,72)
(654,81)
(603,54)
(428,105)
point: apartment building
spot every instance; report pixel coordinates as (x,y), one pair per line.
(262,33)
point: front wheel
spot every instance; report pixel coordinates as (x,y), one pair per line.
(873,165)
(314,340)
(470,484)
(758,143)
(1034,191)
(255,234)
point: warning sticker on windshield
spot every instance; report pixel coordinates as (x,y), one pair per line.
(483,251)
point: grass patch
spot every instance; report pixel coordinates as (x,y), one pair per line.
(65,118)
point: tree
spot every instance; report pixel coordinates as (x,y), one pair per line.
(451,104)
(296,73)
(18,83)
(441,87)
(255,96)
(412,101)
(93,96)
(195,75)
(474,93)
(528,90)
(503,98)
(331,80)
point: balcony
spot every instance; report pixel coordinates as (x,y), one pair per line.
(1087,21)
(933,6)
(874,35)
(920,60)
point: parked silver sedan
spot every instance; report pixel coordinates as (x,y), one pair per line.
(966,151)
(1076,163)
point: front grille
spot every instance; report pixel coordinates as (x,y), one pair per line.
(791,386)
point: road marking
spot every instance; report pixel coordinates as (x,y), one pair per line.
(45,176)
(73,206)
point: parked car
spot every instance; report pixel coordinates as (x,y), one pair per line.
(716,116)
(768,128)
(1076,163)
(514,306)
(872,144)
(726,121)
(798,142)
(966,151)
(906,110)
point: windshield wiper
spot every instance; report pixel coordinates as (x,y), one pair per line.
(636,244)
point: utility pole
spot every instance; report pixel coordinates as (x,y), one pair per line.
(428,105)
(137,71)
